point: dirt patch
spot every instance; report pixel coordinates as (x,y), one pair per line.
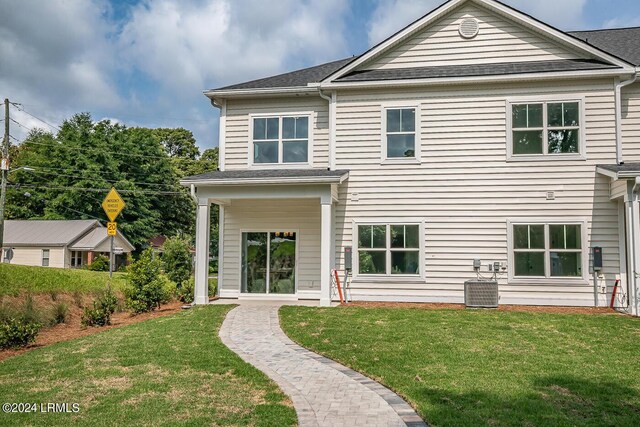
(72,328)
(514,308)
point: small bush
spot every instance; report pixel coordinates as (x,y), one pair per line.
(78,299)
(18,332)
(54,295)
(103,307)
(59,313)
(29,313)
(100,263)
(147,287)
(177,260)
(185,291)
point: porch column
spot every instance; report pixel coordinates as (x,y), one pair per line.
(325,252)
(201,293)
(633,241)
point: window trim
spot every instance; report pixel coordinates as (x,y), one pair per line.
(548,279)
(383,134)
(388,277)
(281,165)
(48,257)
(545,156)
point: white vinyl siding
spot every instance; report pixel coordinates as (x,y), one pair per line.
(465,190)
(499,40)
(32,256)
(300,216)
(631,123)
(238,125)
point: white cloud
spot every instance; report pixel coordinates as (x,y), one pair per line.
(189,45)
(391,16)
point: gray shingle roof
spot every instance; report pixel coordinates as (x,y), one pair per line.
(475,70)
(98,235)
(621,42)
(45,233)
(274,174)
(625,167)
(293,79)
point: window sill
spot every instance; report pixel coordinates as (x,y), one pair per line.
(547,158)
(281,166)
(550,282)
(400,162)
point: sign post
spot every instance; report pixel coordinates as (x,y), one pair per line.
(112,205)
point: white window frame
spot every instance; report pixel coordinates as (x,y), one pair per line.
(548,279)
(418,139)
(280,164)
(388,277)
(545,156)
(269,231)
(48,257)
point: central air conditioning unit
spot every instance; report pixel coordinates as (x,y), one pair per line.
(481,294)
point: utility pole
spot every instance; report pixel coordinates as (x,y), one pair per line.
(5,171)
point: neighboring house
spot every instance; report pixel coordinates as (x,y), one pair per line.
(475,133)
(60,244)
(157,243)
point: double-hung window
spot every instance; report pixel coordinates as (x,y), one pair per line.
(283,139)
(401,138)
(546,129)
(389,249)
(547,250)
(76,259)
(45,257)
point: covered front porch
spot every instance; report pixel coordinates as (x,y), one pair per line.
(276,233)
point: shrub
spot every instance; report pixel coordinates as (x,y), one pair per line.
(59,313)
(100,263)
(18,332)
(185,291)
(147,286)
(177,260)
(29,312)
(78,299)
(103,307)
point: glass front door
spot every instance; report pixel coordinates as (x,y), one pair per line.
(268,263)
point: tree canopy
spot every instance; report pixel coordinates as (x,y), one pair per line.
(74,168)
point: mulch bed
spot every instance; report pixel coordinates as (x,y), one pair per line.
(72,328)
(515,308)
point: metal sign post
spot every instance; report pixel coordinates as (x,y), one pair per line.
(112,205)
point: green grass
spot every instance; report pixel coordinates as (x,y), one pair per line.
(470,368)
(168,371)
(15,279)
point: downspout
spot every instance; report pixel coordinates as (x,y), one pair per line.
(332,126)
(193,193)
(618,100)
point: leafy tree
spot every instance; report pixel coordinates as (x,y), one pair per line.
(177,259)
(146,288)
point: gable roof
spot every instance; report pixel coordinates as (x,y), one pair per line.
(622,42)
(96,237)
(612,48)
(45,233)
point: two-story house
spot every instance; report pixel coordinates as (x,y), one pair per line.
(475,134)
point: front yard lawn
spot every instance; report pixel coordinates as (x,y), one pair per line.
(470,368)
(168,371)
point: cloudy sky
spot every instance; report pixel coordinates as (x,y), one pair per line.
(146,62)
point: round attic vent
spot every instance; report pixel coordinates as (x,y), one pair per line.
(469,28)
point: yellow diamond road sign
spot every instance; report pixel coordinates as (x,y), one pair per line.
(113,204)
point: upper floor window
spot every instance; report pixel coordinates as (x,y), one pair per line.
(401,140)
(546,128)
(282,139)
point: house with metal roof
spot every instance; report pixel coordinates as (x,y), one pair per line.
(60,244)
(476,156)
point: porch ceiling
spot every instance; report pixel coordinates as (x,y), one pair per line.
(268,176)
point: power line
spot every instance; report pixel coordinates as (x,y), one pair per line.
(106,180)
(20,107)
(100,190)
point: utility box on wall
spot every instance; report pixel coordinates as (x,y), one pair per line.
(348,258)
(597,258)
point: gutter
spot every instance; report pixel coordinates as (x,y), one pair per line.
(332,126)
(263,181)
(618,100)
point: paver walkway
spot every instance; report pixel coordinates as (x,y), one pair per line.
(324,393)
